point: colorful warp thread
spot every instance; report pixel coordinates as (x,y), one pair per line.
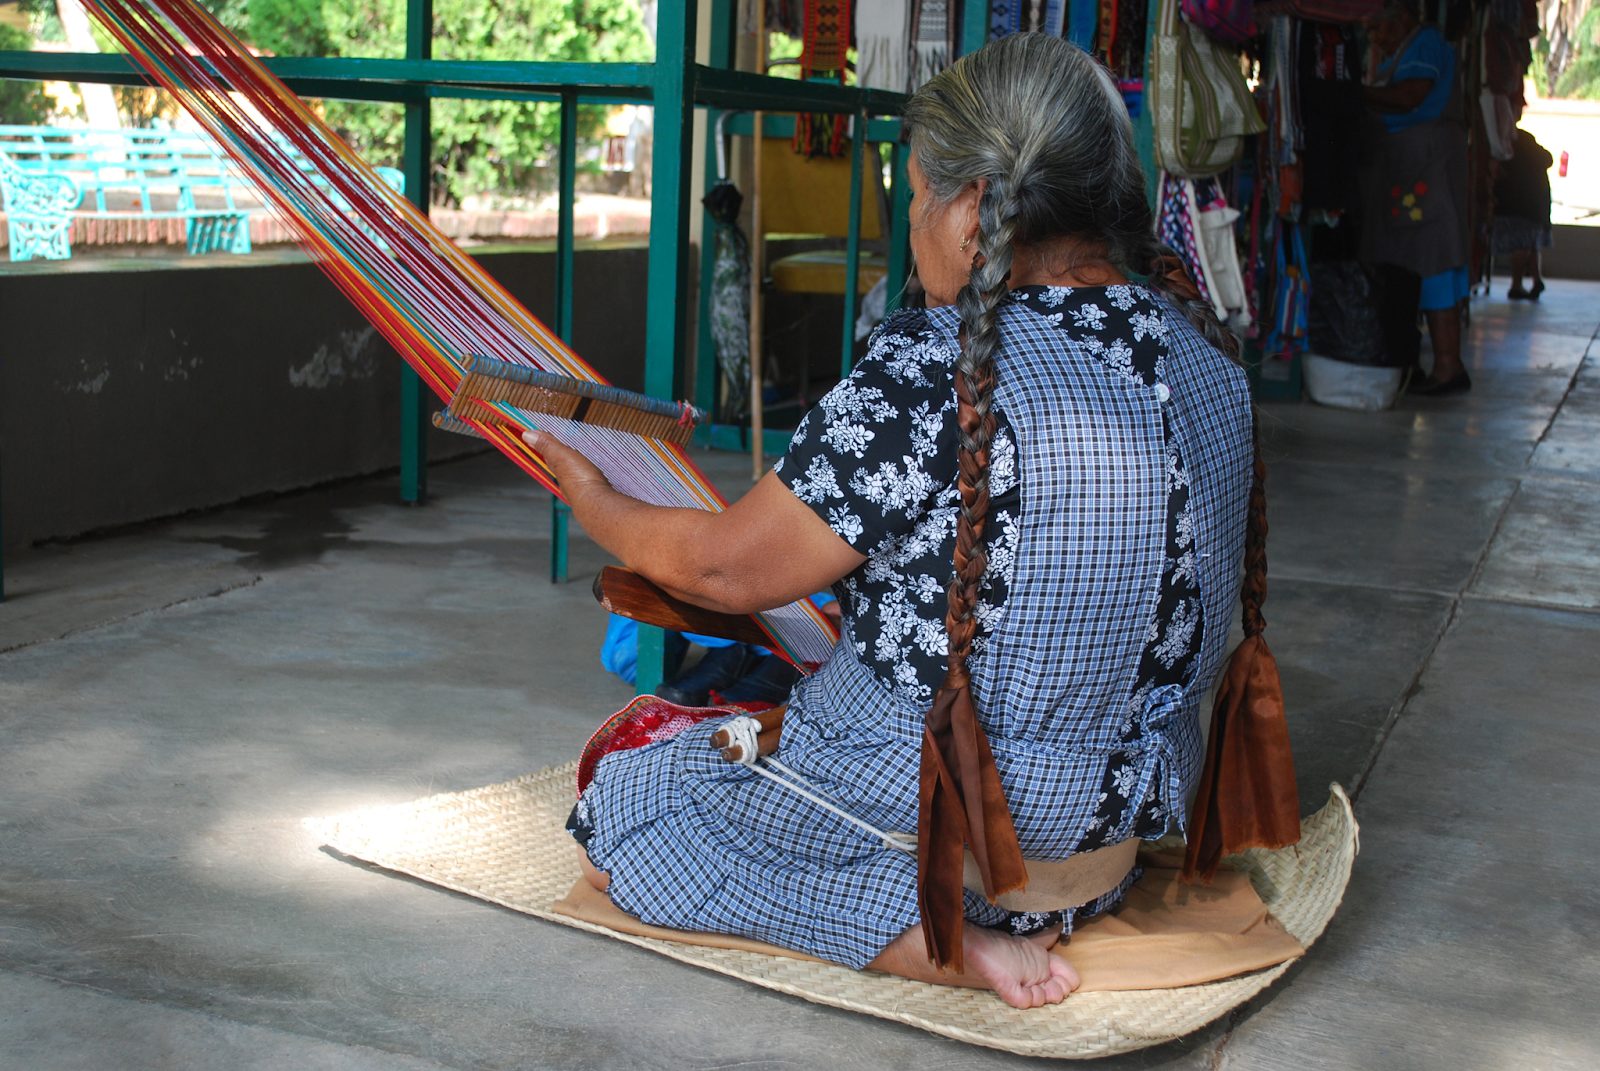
(430,301)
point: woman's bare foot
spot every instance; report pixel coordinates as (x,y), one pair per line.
(1023,974)
(1020,970)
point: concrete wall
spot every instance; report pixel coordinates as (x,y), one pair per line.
(138,389)
(1574,253)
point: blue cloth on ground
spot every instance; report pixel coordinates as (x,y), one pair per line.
(619,651)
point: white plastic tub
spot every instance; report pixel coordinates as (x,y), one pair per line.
(1349,386)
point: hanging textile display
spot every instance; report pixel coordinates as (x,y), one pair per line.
(1291,299)
(1224,274)
(1106,29)
(1195,221)
(435,305)
(1284,130)
(883,56)
(1177,228)
(1232,22)
(1202,106)
(1025,16)
(933,39)
(825,41)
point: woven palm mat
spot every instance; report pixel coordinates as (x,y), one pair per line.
(505,844)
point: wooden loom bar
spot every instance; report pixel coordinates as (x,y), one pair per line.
(627,594)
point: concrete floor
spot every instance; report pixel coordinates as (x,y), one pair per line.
(174,700)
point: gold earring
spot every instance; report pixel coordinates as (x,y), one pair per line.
(964,242)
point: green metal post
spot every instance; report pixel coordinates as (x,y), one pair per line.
(560,516)
(565,226)
(705,349)
(665,299)
(1144,130)
(899,224)
(418,155)
(567,171)
(974,28)
(852,255)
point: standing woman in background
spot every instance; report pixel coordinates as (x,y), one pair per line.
(1414,188)
(1522,213)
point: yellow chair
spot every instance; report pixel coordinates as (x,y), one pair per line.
(811,198)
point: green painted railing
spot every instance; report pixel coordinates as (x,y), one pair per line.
(674,84)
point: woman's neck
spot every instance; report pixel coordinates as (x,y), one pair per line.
(1064,262)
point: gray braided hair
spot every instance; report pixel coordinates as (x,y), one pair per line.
(1042,123)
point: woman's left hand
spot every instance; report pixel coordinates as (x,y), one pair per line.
(577,475)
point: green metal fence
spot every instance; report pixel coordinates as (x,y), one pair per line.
(675,85)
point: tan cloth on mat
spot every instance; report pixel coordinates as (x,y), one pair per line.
(1166,935)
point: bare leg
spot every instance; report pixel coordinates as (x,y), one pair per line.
(1519,267)
(1020,970)
(1444,328)
(598,878)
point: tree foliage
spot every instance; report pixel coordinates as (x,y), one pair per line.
(478,144)
(20,102)
(1581,78)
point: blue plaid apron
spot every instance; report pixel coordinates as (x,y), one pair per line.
(693,842)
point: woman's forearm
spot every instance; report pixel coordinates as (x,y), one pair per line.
(672,548)
(1398,96)
(765,550)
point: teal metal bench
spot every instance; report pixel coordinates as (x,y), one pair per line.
(51,176)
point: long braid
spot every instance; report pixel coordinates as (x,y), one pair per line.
(1040,129)
(979,304)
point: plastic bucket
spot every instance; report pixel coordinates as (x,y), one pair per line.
(1350,386)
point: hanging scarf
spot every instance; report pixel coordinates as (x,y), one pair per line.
(1108,29)
(825,40)
(883,60)
(1176,227)
(1027,16)
(933,40)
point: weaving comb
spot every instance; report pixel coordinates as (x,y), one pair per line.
(489,382)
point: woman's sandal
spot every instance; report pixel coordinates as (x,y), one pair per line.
(1459,383)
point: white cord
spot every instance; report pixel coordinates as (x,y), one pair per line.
(743,732)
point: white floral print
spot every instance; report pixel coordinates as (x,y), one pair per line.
(848,438)
(819,483)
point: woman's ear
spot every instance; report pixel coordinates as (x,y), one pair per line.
(970,198)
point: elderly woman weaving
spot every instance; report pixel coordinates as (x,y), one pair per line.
(1082,452)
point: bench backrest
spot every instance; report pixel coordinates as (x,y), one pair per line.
(129,169)
(140,170)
